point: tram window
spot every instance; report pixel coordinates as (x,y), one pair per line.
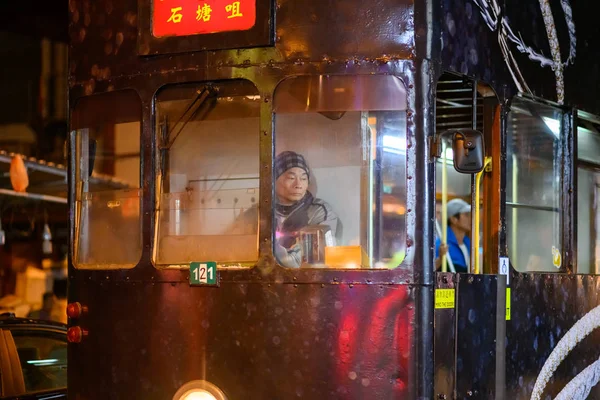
(340,171)
(107,192)
(588,221)
(588,142)
(533,188)
(588,196)
(208,173)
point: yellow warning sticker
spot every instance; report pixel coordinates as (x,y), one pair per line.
(444,298)
(508,304)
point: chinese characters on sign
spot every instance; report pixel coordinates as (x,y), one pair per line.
(192,17)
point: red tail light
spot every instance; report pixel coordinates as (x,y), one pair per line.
(76,310)
(75,334)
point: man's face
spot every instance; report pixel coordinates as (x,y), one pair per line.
(291,186)
(462,221)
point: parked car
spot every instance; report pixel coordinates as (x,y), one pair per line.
(33,359)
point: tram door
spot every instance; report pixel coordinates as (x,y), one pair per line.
(466,206)
(467,249)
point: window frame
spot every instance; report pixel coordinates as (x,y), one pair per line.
(408,191)
(74,127)
(221,266)
(568,176)
(590,166)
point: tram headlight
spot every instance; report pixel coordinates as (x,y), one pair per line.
(198,394)
(199,390)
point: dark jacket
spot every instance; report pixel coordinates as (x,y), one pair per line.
(290,219)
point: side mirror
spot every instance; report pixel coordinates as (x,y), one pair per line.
(468,149)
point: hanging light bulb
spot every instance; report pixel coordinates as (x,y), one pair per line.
(47,237)
(18,174)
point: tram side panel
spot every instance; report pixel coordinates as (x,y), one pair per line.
(253,340)
(553,337)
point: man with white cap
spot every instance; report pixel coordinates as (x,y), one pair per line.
(458,246)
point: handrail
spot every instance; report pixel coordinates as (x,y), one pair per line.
(475,241)
(444,232)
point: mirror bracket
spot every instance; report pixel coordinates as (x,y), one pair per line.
(435,147)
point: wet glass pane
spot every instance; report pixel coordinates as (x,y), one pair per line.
(534,186)
(340,172)
(107,169)
(208,162)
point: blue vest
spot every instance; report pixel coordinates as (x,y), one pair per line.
(454,252)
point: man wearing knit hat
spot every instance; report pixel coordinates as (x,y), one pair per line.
(458,246)
(296,208)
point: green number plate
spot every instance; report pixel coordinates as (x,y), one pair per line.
(203,273)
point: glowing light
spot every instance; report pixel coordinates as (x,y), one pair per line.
(393,208)
(48,361)
(394,144)
(199,390)
(198,394)
(553,125)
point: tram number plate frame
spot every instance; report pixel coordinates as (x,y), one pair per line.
(204,274)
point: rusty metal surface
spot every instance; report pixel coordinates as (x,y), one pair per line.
(253,340)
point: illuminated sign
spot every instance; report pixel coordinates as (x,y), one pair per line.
(193,17)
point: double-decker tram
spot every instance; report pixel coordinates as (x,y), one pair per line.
(334,200)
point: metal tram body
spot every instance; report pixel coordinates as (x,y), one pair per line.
(153,103)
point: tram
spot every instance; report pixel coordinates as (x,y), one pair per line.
(290,166)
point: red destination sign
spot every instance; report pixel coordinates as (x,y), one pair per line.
(193,17)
